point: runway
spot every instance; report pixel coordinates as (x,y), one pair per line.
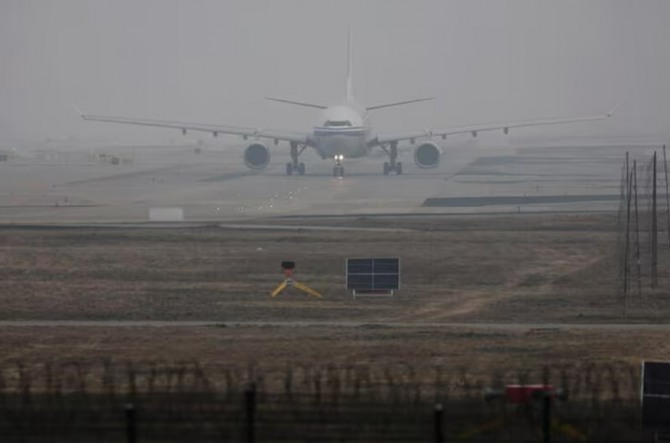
(510,327)
(69,184)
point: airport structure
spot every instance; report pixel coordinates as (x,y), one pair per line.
(644,213)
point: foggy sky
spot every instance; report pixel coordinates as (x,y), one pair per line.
(213,61)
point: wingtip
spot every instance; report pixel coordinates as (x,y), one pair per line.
(79,111)
(614,109)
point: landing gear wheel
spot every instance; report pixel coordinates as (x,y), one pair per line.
(338,171)
(398,168)
(341,171)
(289,169)
(301,169)
(387,168)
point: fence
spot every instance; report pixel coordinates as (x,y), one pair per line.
(112,402)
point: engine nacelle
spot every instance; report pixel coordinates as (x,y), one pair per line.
(256,156)
(427,155)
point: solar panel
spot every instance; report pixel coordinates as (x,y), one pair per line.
(386,266)
(373,274)
(359,266)
(656,395)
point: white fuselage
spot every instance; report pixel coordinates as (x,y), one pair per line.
(342,130)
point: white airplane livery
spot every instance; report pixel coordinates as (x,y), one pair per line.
(343,131)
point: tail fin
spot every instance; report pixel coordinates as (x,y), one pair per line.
(350,84)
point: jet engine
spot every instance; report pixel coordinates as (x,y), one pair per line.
(256,156)
(427,155)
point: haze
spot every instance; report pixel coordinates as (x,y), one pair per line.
(213,61)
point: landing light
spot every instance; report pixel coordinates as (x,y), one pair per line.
(339,157)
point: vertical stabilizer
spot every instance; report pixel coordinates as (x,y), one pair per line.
(350,84)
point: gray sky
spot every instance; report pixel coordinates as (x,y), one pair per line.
(213,61)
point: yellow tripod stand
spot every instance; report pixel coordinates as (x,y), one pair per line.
(288,267)
(290,282)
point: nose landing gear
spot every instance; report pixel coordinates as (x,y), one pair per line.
(338,169)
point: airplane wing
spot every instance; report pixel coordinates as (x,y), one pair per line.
(215,130)
(381,138)
(406,102)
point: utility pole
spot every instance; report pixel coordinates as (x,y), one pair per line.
(654,229)
(667,193)
(626,266)
(637,234)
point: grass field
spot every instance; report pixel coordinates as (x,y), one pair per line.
(516,269)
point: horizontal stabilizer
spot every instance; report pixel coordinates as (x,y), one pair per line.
(291,102)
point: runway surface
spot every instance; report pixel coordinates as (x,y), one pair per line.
(512,327)
(64,184)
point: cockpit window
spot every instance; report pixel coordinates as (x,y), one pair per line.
(338,123)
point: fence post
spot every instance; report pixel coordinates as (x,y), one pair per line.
(250,406)
(439,423)
(131,423)
(546,417)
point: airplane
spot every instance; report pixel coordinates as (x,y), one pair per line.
(344,132)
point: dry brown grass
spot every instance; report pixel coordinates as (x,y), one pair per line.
(532,269)
(453,269)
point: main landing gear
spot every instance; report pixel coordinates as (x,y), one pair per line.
(295,166)
(338,169)
(392,164)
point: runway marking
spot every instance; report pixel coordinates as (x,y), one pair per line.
(121,176)
(230,176)
(311,228)
(517,200)
(50,206)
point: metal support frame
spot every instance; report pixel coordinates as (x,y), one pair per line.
(360,293)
